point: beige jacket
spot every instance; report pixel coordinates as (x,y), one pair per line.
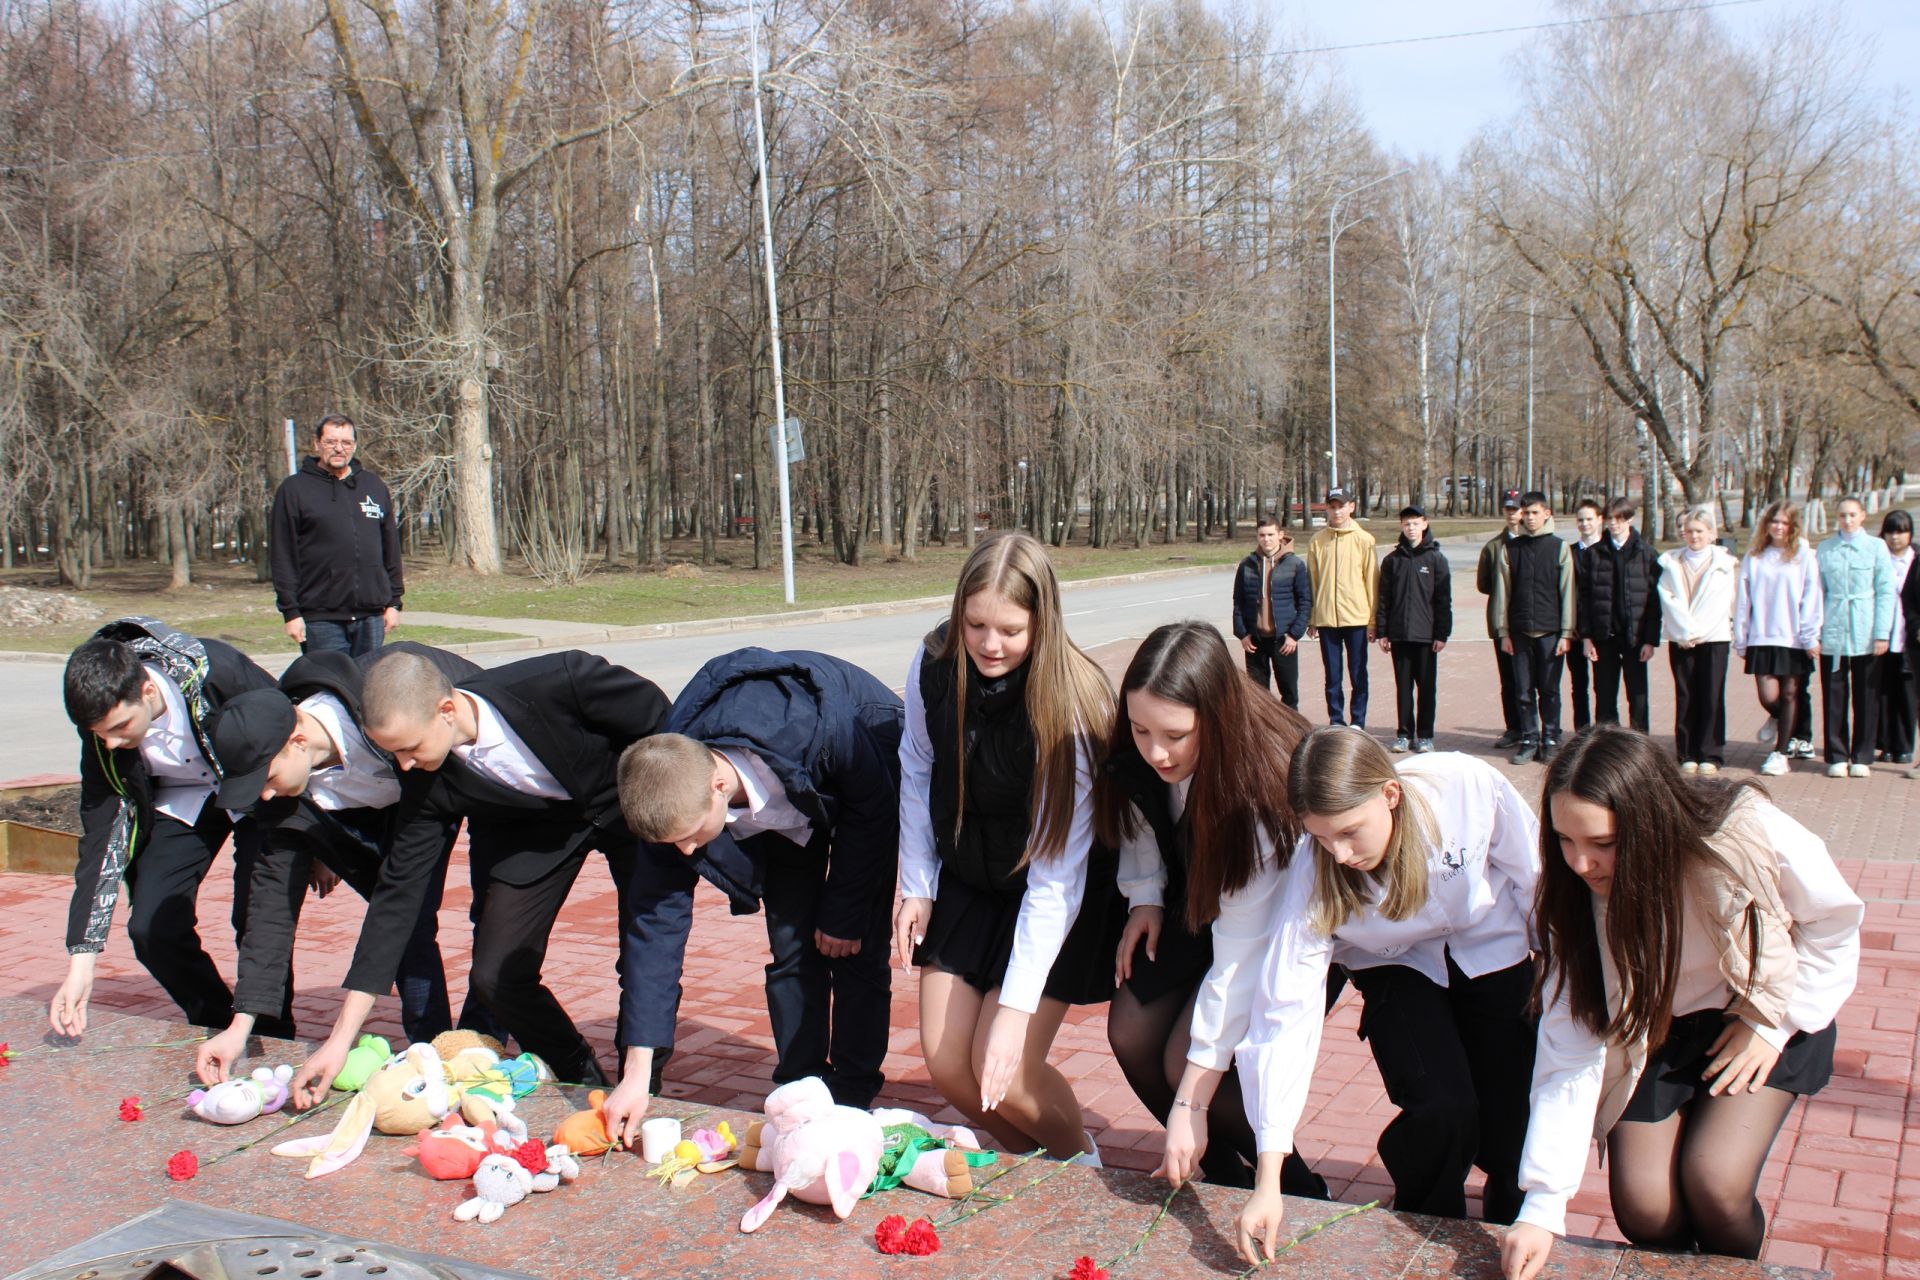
(1345,575)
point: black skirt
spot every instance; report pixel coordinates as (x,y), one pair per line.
(971,933)
(1673,1076)
(1181,963)
(1778,660)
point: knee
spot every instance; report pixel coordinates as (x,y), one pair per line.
(1715,1200)
(953,1075)
(1447,1123)
(168,923)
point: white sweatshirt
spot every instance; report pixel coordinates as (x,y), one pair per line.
(1705,616)
(1778,601)
(1055,885)
(1570,1067)
(1262,1003)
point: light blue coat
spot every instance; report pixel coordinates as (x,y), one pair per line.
(1856,577)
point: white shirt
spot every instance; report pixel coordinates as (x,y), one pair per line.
(1569,1067)
(1142,874)
(1265,993)
(364,778)
(1055,885)
(183,781)
(767,807)
(1902,565)
(497,753)
(1779,601)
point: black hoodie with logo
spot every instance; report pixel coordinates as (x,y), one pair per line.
(335,545)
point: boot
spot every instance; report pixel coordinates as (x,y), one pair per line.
(1524,752)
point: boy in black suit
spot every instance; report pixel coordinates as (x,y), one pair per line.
(531,747)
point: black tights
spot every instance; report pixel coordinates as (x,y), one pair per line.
(1690,1179)
(1777,696)
(1150,1043)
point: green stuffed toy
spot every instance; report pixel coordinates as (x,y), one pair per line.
(368,1055)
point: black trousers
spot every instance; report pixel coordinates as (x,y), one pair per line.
(830,1015)
(1509,691)
(1846,685)
(163,918)
(1266,656)
(1416,672)
(1621,659)
(1700,701)
(1536,686)
(1458,1062)
(1581,670)
(1894,682)
(510,949)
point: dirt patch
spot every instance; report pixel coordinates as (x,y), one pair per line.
(57,812)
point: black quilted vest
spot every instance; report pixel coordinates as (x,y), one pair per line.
(985,853)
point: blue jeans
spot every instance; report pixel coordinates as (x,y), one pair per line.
(1345,646)
(362,635)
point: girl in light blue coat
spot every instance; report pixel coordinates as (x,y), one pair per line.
(1856,577)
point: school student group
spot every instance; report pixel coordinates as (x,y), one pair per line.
(1661,975)
(1593,609)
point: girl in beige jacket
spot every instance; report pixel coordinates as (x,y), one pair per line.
(1695,946)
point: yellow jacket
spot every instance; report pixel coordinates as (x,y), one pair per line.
(1345,577)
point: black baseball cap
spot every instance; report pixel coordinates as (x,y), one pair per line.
(247,734)
(1339,493)
(1405,512)
(1510,500)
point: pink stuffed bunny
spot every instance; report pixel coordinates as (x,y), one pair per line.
(820,1152)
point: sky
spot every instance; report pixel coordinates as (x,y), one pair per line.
(1430,97)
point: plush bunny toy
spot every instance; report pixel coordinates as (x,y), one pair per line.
(504,1181)
(819,1152)
(243,1098)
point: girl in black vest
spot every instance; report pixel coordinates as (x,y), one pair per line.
(1184,704)
(996,829)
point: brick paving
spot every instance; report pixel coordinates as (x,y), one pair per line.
(1842,1189)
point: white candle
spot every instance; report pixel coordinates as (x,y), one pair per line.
(658,1138)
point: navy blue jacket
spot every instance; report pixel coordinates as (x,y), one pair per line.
(1292,596)
(831,733)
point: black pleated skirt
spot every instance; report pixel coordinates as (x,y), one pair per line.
(1673,1074)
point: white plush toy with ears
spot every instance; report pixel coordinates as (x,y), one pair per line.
(244,1098)
(504,1181)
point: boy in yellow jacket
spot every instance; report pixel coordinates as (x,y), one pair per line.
(1345,576)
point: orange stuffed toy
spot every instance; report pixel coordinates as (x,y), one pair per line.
(585,1132)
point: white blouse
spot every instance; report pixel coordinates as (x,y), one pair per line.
(1262,1003)
(1055,885)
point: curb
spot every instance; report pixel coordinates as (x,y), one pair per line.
(591,634)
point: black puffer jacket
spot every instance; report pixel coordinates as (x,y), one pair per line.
(1619,597)
(1416,593)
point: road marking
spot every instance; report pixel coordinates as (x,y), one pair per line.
(1081,613)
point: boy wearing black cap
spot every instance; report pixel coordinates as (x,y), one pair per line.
(1345,579)
(297,758)
(1414,622)
(1484,576)
(142,695)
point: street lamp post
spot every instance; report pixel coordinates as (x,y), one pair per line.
(1333,371)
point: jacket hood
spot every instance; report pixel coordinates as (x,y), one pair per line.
(780,722)
(1426,541)
(310,466)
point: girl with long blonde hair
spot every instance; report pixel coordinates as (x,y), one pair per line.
(1419,881)
(1778,610)
(997,906)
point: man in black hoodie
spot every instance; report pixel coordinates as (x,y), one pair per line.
(1414,623)
(142,695)
(336,548)
(1620,616)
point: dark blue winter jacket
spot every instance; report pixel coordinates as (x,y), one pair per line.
(1292,596)
(831,733)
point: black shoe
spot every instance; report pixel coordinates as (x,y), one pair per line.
(1506,740)
(1548,750)
(1903,757)
(584,1070)
(1524,752)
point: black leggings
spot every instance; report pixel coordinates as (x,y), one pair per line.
(1690,1179)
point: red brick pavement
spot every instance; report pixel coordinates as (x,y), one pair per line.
(1842,1188)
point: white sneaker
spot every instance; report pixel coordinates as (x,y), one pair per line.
(1689,766)
(1775,765)
(1768,729)
(1837,770)
(1090,1158)
(1859,771)
(1708,768)
(1800,748)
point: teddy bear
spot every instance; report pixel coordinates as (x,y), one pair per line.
(502,1181)
(243,1098)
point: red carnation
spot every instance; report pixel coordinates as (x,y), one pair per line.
(891,1235)
(1085,1268)
(6,1054)
(182,1165)
(921,1239)
(531,1156)
(130,1109)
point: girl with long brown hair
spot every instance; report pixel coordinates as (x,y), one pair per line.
(1193,794)
(996,834)
(1695,945)
(1778,608)
(1419,882)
